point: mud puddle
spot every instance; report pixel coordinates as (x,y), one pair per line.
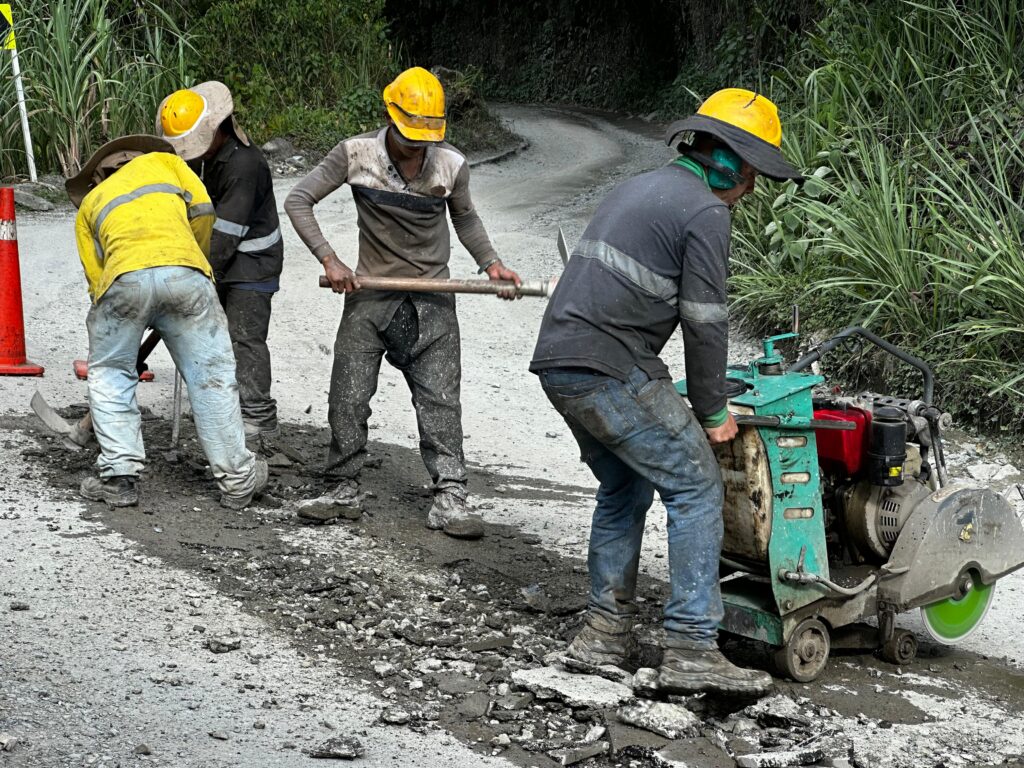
(437,627)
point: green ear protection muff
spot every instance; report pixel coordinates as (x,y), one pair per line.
(721,179)
(723,166)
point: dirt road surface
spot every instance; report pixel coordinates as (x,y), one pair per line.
(181,634)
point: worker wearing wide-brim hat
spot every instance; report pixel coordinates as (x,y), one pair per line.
(655,257)
(406,181)
(246,250)
(143,234)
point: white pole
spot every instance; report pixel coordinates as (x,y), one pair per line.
(24,115)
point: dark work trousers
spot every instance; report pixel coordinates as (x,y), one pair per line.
(248,315)
(421,339)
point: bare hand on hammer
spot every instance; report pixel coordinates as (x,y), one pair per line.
(498,271)
(341,278)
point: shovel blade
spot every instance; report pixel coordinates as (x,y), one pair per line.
(563,249)
(48,416)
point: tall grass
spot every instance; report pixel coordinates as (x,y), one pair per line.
(907,116)
(93,70)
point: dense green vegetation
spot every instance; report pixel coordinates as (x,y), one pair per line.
(93,70)
(907,116)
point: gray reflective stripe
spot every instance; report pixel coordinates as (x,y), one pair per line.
(99,248)
(703,311)
(149,189)
(201,209)
(258,244)
(629,268)
(229,228)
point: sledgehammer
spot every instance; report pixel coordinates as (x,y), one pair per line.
(450,285)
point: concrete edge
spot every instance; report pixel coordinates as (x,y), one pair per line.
(500,155)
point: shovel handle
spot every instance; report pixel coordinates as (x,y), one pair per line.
(449,285)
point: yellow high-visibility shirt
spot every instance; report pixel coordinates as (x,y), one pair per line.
(153,212)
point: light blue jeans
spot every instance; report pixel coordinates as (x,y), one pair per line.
(638,437)
(181,304)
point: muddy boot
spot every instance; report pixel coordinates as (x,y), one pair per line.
(685,671)
(343,501)
(241,502)
(450,513)
(117,491)
(604,641)
(259,438)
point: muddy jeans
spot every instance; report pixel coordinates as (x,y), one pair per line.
(421,339)
(182,305)
(639,437)
(248,314)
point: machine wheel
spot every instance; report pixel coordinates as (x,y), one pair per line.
(901,648)
(805,655)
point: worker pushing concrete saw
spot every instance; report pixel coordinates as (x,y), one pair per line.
(143,234)
(404,178)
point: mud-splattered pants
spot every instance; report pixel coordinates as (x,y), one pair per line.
(248,314)
(181,304)
(420,335)
(638,437)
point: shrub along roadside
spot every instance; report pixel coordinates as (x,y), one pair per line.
(907,117)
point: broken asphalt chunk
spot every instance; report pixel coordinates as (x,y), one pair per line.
(573,755)
(673,721)
(224,643)
(574,690)
(782,759)
(339,748)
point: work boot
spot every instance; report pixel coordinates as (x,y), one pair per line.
(450,513)
(604,641)
(685,671)
(258,437)
(241,502)
(342,501)
(117,491)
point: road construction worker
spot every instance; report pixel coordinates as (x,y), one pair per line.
(653,258)
(246,250)
(403,178)
(143,232)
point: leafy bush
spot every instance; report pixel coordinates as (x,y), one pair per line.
(309,69)
(906,114)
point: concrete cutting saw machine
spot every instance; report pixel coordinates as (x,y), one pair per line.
(839,515)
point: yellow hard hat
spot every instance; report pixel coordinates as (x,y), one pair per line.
(189,118)
(746,110)
(415,102)
(745,121)
(180,112)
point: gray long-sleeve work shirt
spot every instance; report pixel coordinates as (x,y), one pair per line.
(403,230)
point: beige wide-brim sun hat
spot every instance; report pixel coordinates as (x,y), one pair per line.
(218,106)
(79,186)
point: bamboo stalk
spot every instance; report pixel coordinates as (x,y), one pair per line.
(450,285)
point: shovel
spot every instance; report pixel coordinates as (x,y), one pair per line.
(78,435)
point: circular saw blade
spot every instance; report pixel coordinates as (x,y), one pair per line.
(950,621)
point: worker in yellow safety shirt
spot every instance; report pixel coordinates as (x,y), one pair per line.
(143,234)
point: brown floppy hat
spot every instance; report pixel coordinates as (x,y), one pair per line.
(79,185)
(193,141)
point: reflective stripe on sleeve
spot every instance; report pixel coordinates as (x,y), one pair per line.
(629,268)
(703,311)
(259,243)
(226,227)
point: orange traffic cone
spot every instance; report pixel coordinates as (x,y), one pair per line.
(12,319)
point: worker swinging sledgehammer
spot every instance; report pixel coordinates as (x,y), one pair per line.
(246,250)
(655,256)
(404,178)
(143,232)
